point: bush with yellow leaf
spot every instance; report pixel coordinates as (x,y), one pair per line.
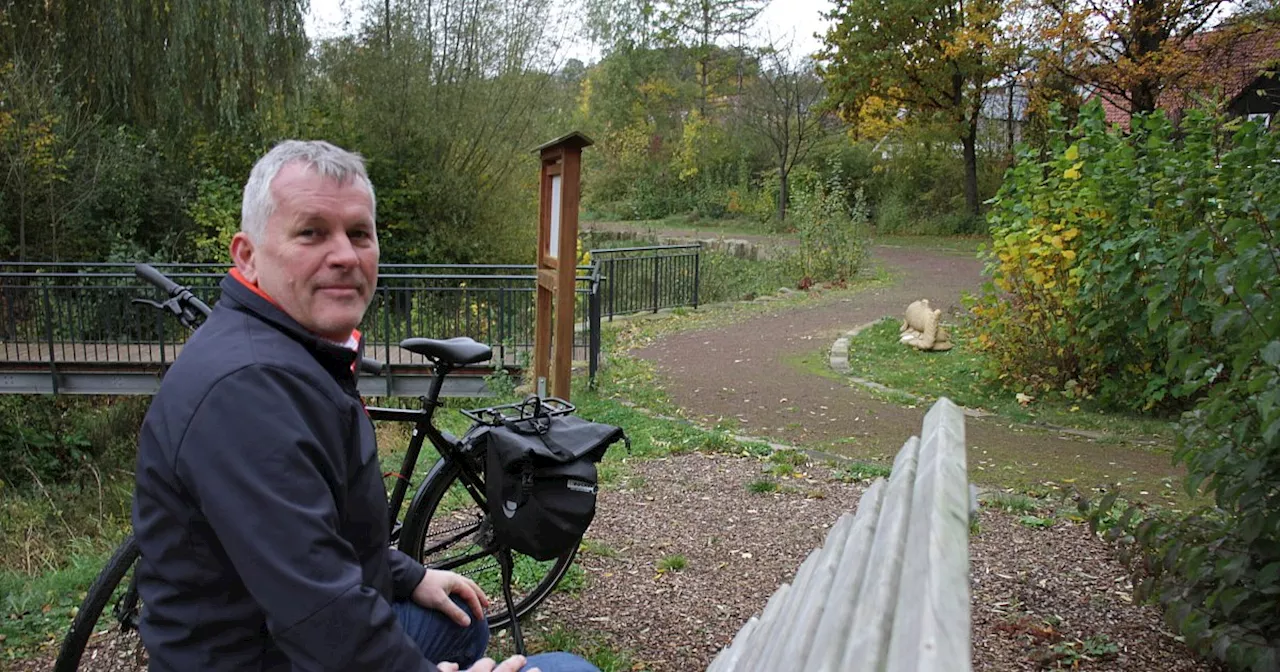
(1146,267)
(1080,236)
(1029,313)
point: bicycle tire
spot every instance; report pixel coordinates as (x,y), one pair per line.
(444,478)
(100,593)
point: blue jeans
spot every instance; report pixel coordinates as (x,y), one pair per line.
(443,640)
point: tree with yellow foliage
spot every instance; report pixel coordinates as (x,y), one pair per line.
(932,58)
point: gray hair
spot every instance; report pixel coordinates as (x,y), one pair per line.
(319,156)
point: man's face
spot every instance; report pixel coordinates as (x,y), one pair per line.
(318,256)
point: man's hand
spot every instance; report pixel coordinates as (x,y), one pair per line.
(433,592)
(512,664)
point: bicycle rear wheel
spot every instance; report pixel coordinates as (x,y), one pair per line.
(446,529)
(118,631)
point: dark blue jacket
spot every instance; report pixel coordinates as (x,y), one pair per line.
(260,507)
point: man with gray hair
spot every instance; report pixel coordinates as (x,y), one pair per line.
(260,507)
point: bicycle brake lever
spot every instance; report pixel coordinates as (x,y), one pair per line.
(154,304)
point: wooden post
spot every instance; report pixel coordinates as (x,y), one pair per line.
(557,262)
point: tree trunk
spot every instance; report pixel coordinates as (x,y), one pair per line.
(1148,36)
(22,224)
(782,195)
(1143,96)
(1009,116)
(702,89)
(970,141)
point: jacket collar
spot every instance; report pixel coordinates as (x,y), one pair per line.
(241,295)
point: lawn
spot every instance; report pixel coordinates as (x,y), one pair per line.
(876,355)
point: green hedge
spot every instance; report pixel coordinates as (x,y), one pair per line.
(1142,268)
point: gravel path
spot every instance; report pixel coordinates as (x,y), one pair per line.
(740,372)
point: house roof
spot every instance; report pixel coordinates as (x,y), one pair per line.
(1222,62)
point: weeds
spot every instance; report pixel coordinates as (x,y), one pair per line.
(861,471)
(672,563)
(1010,502)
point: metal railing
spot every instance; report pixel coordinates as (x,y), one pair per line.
(67,315)
(639,279)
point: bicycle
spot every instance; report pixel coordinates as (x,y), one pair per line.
(445,526)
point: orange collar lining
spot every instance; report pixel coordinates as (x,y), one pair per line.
(235,273)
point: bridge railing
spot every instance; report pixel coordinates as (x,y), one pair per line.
(68,315)
(639,279)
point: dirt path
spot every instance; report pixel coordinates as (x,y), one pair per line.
(741,372)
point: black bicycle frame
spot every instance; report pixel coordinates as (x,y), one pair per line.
(424,429)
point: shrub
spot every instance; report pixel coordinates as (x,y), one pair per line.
(832,234)
(1092,261)
(1144,267)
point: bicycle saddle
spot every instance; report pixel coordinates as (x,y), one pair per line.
(456,351)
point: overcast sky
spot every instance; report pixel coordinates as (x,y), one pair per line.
(782,19)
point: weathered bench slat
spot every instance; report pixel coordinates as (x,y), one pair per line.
(868,632)
(936,632)
(832,633)
(888,590)
(814,577)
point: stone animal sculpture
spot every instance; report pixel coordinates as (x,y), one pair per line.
(921,328)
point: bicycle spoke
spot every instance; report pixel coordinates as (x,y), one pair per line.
(451,531)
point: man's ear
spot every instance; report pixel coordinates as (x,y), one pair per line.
(243,256)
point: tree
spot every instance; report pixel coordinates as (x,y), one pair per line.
(179,66)
(783,106)
(700,24)
(1129,49)
(933,58)
(446,111)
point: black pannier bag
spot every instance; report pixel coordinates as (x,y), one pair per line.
(540,479)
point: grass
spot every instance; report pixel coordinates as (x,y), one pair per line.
(783,470)
(762,486)
(875,354)
(862,471)
(556,637)
(672,563)
(1011,502)
(598,548)
(37,608)
(1116,451)
(1036,522)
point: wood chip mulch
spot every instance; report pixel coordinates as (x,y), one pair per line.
(1052,598)
(1032,589)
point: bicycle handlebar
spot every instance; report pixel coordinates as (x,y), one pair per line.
(371,366)
(150,274)
(183,298)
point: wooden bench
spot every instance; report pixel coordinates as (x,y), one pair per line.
(889,589)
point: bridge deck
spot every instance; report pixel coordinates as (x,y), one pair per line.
(136,368)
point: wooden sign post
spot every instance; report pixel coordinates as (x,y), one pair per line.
(557,262)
